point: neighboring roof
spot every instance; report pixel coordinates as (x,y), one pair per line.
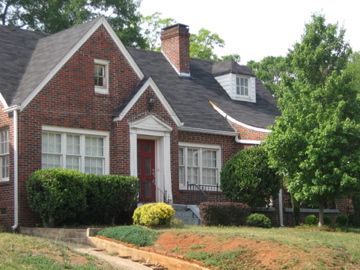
(226,67)
(189,97)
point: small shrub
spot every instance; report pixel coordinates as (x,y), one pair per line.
(342,220)
(56,195)
(258,220)
(223,213)
(136,235)
(153,214)
(311,220)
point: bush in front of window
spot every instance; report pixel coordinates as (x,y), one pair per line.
(223,213)
(62,196)
(56,195)
(247,178)
(258,220)
(153,214)
(111,199)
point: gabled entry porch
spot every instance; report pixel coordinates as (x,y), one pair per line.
(150,158)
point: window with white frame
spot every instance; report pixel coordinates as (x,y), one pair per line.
(66,149)
(101,76)
(4,155)
(199,164)
(242,86)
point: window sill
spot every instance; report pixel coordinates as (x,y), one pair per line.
(101,90)
(4,181)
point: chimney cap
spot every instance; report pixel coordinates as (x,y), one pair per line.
(178,25)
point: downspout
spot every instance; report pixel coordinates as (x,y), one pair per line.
(16,182)
(281,208)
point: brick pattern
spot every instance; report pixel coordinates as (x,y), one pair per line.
(7,188)
(175,45)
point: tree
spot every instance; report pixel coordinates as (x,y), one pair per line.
(247,178)
(203,43)
(269,70)
(232,57)
(151,29)
(315,143)
(52,16)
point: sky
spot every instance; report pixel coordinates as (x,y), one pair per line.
(258,28)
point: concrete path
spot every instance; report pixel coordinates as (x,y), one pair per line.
(115,261)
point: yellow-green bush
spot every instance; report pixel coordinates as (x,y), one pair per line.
(153,214)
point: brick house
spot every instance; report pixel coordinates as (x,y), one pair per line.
(79,99)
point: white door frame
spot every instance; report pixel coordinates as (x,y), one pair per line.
(151,127)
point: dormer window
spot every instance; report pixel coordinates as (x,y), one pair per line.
(242,86)
(101,76)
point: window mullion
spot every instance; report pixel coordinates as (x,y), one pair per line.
(186,169)
(63,150)
(200,166)
(82,153)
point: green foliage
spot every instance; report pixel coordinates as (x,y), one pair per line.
(355,216)
(56,15)
(342,220)
(310,220)
(231,57)
(153,214)
(62,196)
(315,142)
(269,70)
(203,43)
(56,195)
(136,235)
(247,178)
(111,199)
(327,220)
(223,213)
(258,220)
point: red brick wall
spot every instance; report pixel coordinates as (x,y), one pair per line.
(7,188)
(69,100)
(249,134)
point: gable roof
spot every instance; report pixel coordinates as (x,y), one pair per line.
(226,67)
(42,56)
(190,96)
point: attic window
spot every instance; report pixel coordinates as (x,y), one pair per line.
(101,75)
(242,86)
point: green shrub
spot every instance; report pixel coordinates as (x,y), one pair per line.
(111,199)
(342,220)
(355,216)
(56,195)
(62,196)
(247,178)
(136,235)
(153,214)
(223,213)
(327,220)
(311,220)
(258,220)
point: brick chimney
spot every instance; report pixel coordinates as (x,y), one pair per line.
(175,46)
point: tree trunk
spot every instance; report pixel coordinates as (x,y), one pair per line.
(321,214)
(296,210)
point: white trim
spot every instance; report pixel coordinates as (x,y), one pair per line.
(12,108)
(256,142)
(181,74)
(165,127)
(90,132)
(3,102)
(229,118)
(16,171)
(104,90)
(160,96)
(208,131)
(200,145)
(52,73)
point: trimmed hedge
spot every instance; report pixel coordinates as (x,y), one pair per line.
(62,196)
(153,214)
(258,220)
(223,213)
(311,220)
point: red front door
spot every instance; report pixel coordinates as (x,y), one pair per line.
(146,169)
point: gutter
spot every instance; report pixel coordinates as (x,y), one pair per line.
(16,180)
(243,141)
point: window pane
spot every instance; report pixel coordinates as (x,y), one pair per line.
(4,163)
(182,176)
(4,141)
(181,156)
(51,143)
(73,162)
(209,176)
(193,157)
(73,144)
(94,165)
(99,75)
(193,175)
(94,146)
(51,161)
(209,158)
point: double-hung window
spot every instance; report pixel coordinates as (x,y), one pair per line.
(4,155)
(242,86)
(199,164)
(101,76)
(75,149)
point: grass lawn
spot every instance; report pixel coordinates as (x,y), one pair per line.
(24,252)
(231,248)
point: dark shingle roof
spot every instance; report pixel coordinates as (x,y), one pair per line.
(189,97)
(27,57)
(227,67)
